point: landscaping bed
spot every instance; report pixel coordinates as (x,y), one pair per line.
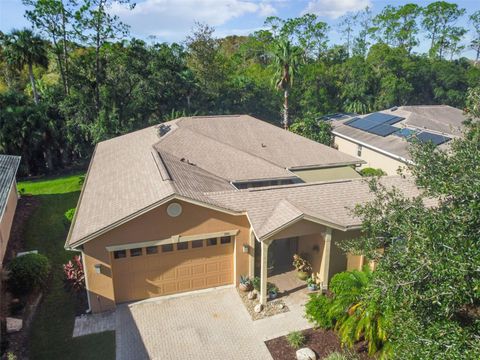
(322,342)
(273,307)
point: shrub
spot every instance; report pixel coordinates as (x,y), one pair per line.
(296,339)
(69,215)
(336,356)
(74,273)
(372,172)
(317,311)
(27,273)
(270,286)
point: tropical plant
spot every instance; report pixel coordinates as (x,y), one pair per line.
(296,339)
(69,214)
(313,128)
(24,48)
(287,58)
(317,311)
(27,273)
(74,273)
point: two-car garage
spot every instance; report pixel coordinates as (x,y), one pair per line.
(155,270)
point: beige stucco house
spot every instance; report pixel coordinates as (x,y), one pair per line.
(196,202)
(8,198)
(383,139)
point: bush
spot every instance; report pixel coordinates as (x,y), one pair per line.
(69,215)
(336,356)
(372,172)
(317,311)
(296,339)
(27,273)
(75,274)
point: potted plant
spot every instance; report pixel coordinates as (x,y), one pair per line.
(312,283)
(302,266)
(245,283)
(272,291)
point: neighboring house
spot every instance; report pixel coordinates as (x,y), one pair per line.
(382,139)
(196,202)
(8,198)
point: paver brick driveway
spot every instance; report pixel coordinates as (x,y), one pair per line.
(210,325)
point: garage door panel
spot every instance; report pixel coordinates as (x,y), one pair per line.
(168,273)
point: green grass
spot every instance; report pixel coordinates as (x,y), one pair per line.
(46,231)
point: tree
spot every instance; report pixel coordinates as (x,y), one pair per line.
(286,61)
(397,26)
(475,44)
(361,43)
(346,27)
(52,18)
(427,274)
(313,128)
(24,48)
(439,22)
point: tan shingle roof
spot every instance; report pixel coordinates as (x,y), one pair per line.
(330,202)
(195,158)
(441,119)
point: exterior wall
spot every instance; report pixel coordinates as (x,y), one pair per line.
(333,173)
(157,225)
(373,158)
(7,219)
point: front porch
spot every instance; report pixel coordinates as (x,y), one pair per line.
(274,257)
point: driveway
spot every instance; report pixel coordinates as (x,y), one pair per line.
(204,325)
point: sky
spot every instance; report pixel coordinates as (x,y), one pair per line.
(172,20)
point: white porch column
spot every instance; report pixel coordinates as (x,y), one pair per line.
(251,259)
(325,267)
(263,271)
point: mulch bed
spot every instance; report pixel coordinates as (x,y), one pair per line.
(272,308)
(322,342)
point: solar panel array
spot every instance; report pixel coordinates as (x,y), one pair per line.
(376,123)
(436,139)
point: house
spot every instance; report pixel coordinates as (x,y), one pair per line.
(382,139)
(198,201)
(8,198)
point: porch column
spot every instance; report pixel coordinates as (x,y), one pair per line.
(263,271)
(325,267)
(251,259)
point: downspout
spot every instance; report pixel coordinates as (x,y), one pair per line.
(89,310)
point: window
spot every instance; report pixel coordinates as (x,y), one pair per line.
(167,247)
(182,246)
(359,150)
(197,244)
(136,252)
(225,240)
(152,250)
(120,254)
(212,242)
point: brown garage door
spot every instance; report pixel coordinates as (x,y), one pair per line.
(168,269)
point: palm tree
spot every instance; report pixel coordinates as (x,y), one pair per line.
(23,47)
(286,59)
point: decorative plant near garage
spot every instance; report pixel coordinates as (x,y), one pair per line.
(245,283)
(303,267)
(75,274)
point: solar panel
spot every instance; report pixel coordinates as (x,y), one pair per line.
(383,130)
(405,133)
(362,124)
(382,118)
(350,121)
(436,139)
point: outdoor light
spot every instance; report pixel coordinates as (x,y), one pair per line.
(245,248)
(98,268)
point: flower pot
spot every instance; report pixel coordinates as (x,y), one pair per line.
(302,275)
(272,295)
(245,287)
(312,287)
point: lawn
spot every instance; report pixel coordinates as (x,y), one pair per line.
(46,231)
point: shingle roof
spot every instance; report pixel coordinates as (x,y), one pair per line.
(441,119)
(330,202)
(196,158)
(8,170)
